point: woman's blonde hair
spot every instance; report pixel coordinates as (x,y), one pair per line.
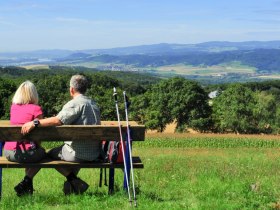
(26,94)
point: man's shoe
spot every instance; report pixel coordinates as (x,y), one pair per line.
(79,186)
(68,189)
(24,188)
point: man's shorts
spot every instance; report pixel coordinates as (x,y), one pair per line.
(64,152)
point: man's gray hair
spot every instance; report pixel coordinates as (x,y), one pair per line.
(79,83)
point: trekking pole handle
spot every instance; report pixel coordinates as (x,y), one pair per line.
(115,95)
(126,101)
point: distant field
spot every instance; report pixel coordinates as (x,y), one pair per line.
(277,76)
(35,67)
(88,64)
(179,69)
(218,70)
(214,73)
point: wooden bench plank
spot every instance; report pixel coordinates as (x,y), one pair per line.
(47,163)
(123,123)
(71,133)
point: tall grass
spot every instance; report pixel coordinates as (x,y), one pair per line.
(209,142)
(193,173)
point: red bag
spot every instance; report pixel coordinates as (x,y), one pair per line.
(112,151)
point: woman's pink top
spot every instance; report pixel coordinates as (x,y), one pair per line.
(20,114)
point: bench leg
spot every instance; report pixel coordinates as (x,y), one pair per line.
(111,181)
(1,148)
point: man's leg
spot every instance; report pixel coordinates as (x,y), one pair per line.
(73,183)
(64,153)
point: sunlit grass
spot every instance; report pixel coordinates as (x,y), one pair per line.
(179,173)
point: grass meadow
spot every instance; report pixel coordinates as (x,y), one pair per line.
(181,172)
(183,69)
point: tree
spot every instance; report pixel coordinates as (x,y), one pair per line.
(276,126)
(176,99)
(266,112)
(7,88)
(53,93)
(101,90)
(233,110)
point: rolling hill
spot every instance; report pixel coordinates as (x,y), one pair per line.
(210,59)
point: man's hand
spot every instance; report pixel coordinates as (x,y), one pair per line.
(27,127)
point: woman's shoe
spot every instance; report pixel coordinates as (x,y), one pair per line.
(24,188)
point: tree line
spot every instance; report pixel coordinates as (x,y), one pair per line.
(238,107)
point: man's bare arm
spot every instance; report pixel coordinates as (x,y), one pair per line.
(52,121)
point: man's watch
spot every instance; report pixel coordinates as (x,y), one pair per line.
(36,122)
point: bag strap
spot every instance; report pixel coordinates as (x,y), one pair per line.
(101,176)
(18,145)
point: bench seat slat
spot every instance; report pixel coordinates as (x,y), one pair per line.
(47,163)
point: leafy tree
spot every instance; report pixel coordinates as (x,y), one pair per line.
(265,112)
(175,99)
(104,98)
(139,107)
(276,127)
(53,93)
(233,110)
(7,88)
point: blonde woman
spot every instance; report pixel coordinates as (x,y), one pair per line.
(25,108)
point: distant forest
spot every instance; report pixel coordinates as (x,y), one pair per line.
(252,107)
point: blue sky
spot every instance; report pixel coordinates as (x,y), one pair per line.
(94,24)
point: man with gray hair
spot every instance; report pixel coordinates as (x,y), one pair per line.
(81,110)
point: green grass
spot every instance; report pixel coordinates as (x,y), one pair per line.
(209,142)
(194,173)
(183,69)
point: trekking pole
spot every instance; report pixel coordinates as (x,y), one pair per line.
(122,144)
(126,104)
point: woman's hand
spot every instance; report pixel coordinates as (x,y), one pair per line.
(27,127)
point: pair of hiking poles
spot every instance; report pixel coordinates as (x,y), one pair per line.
(126,103)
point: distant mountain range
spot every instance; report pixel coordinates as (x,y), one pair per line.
(154,49)
(159,49)
(264,56)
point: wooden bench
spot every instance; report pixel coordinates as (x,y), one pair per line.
(105,131)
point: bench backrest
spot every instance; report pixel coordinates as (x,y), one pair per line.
(72,133)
